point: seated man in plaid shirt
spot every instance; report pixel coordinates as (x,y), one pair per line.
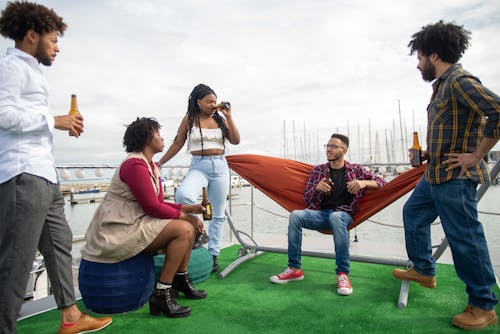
(332,193)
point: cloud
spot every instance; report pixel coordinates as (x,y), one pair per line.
(322,64)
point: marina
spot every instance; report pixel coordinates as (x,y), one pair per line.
(258,226)
(261,221)
(255,213)
(294,75)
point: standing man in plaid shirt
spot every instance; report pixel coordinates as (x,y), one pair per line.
(332,196)
(463,125)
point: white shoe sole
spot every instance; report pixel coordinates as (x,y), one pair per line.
(276,280)
(343,292)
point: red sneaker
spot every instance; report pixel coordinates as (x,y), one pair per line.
(344,287)
(288,275)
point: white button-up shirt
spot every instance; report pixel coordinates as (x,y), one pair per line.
(26,125)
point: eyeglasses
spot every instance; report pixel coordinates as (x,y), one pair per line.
(332,146)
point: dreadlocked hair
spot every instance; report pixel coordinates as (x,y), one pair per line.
(193,112)
(20,16)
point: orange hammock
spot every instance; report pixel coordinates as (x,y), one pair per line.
(284,181)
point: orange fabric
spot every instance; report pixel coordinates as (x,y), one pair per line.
(284,181)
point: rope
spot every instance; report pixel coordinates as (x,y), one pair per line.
(433,224)
(396,226)
(269,211)
(489,213)
(78,238)
(383,224)
(370,220)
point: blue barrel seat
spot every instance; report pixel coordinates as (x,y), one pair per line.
(110,288)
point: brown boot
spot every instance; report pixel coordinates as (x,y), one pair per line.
(474,318)
(412,275)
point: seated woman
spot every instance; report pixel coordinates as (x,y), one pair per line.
(134,218)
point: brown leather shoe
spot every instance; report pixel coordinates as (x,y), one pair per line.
(85,324)
(474,318)
(412,275)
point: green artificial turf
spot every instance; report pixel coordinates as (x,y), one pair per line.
(246,302)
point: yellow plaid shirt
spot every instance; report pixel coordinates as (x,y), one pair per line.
(461,112)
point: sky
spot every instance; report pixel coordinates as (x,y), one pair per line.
(294,71)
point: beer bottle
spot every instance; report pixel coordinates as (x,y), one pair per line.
(415,152)
(207,214)
(74,108)
(329,180)
(223,105)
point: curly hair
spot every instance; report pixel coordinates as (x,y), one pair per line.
(140,133)
(448,40)
(193,111)
(20,16)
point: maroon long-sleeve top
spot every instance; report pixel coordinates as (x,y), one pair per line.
(134,172)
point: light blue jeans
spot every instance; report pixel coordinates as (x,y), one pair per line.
(211,172)
(455,202)
(335,221)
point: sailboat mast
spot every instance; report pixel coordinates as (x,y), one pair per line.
(387,150)
(294,140)
(348,136)
(360,154)
(283,142)
(401,130)
(370,140)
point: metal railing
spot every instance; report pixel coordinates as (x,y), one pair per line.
(253,205)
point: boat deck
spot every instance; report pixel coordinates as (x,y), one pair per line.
(246,302)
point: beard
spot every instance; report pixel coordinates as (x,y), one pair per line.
(428,71)
(41,55)
(333,157)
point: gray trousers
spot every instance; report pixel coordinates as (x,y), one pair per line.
(32,216)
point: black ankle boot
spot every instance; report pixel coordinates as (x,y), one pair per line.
(184,284)
(216,264)
(163,301)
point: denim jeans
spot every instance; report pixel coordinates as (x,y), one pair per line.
(335,221)
(455,202)
(211,172)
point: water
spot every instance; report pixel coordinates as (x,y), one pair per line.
(373,231)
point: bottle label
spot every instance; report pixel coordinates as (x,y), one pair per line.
(415,157)
(207,214)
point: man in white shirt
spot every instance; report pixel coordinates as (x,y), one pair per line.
(31,206)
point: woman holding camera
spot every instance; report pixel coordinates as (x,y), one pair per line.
(206,127)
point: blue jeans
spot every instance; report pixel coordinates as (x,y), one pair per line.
(335,221)
(455,202)
(211,172)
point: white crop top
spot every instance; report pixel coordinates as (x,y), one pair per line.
(212,138)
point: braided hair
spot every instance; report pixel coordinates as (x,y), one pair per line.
(193,112)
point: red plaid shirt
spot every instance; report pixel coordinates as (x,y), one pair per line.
(313,198)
